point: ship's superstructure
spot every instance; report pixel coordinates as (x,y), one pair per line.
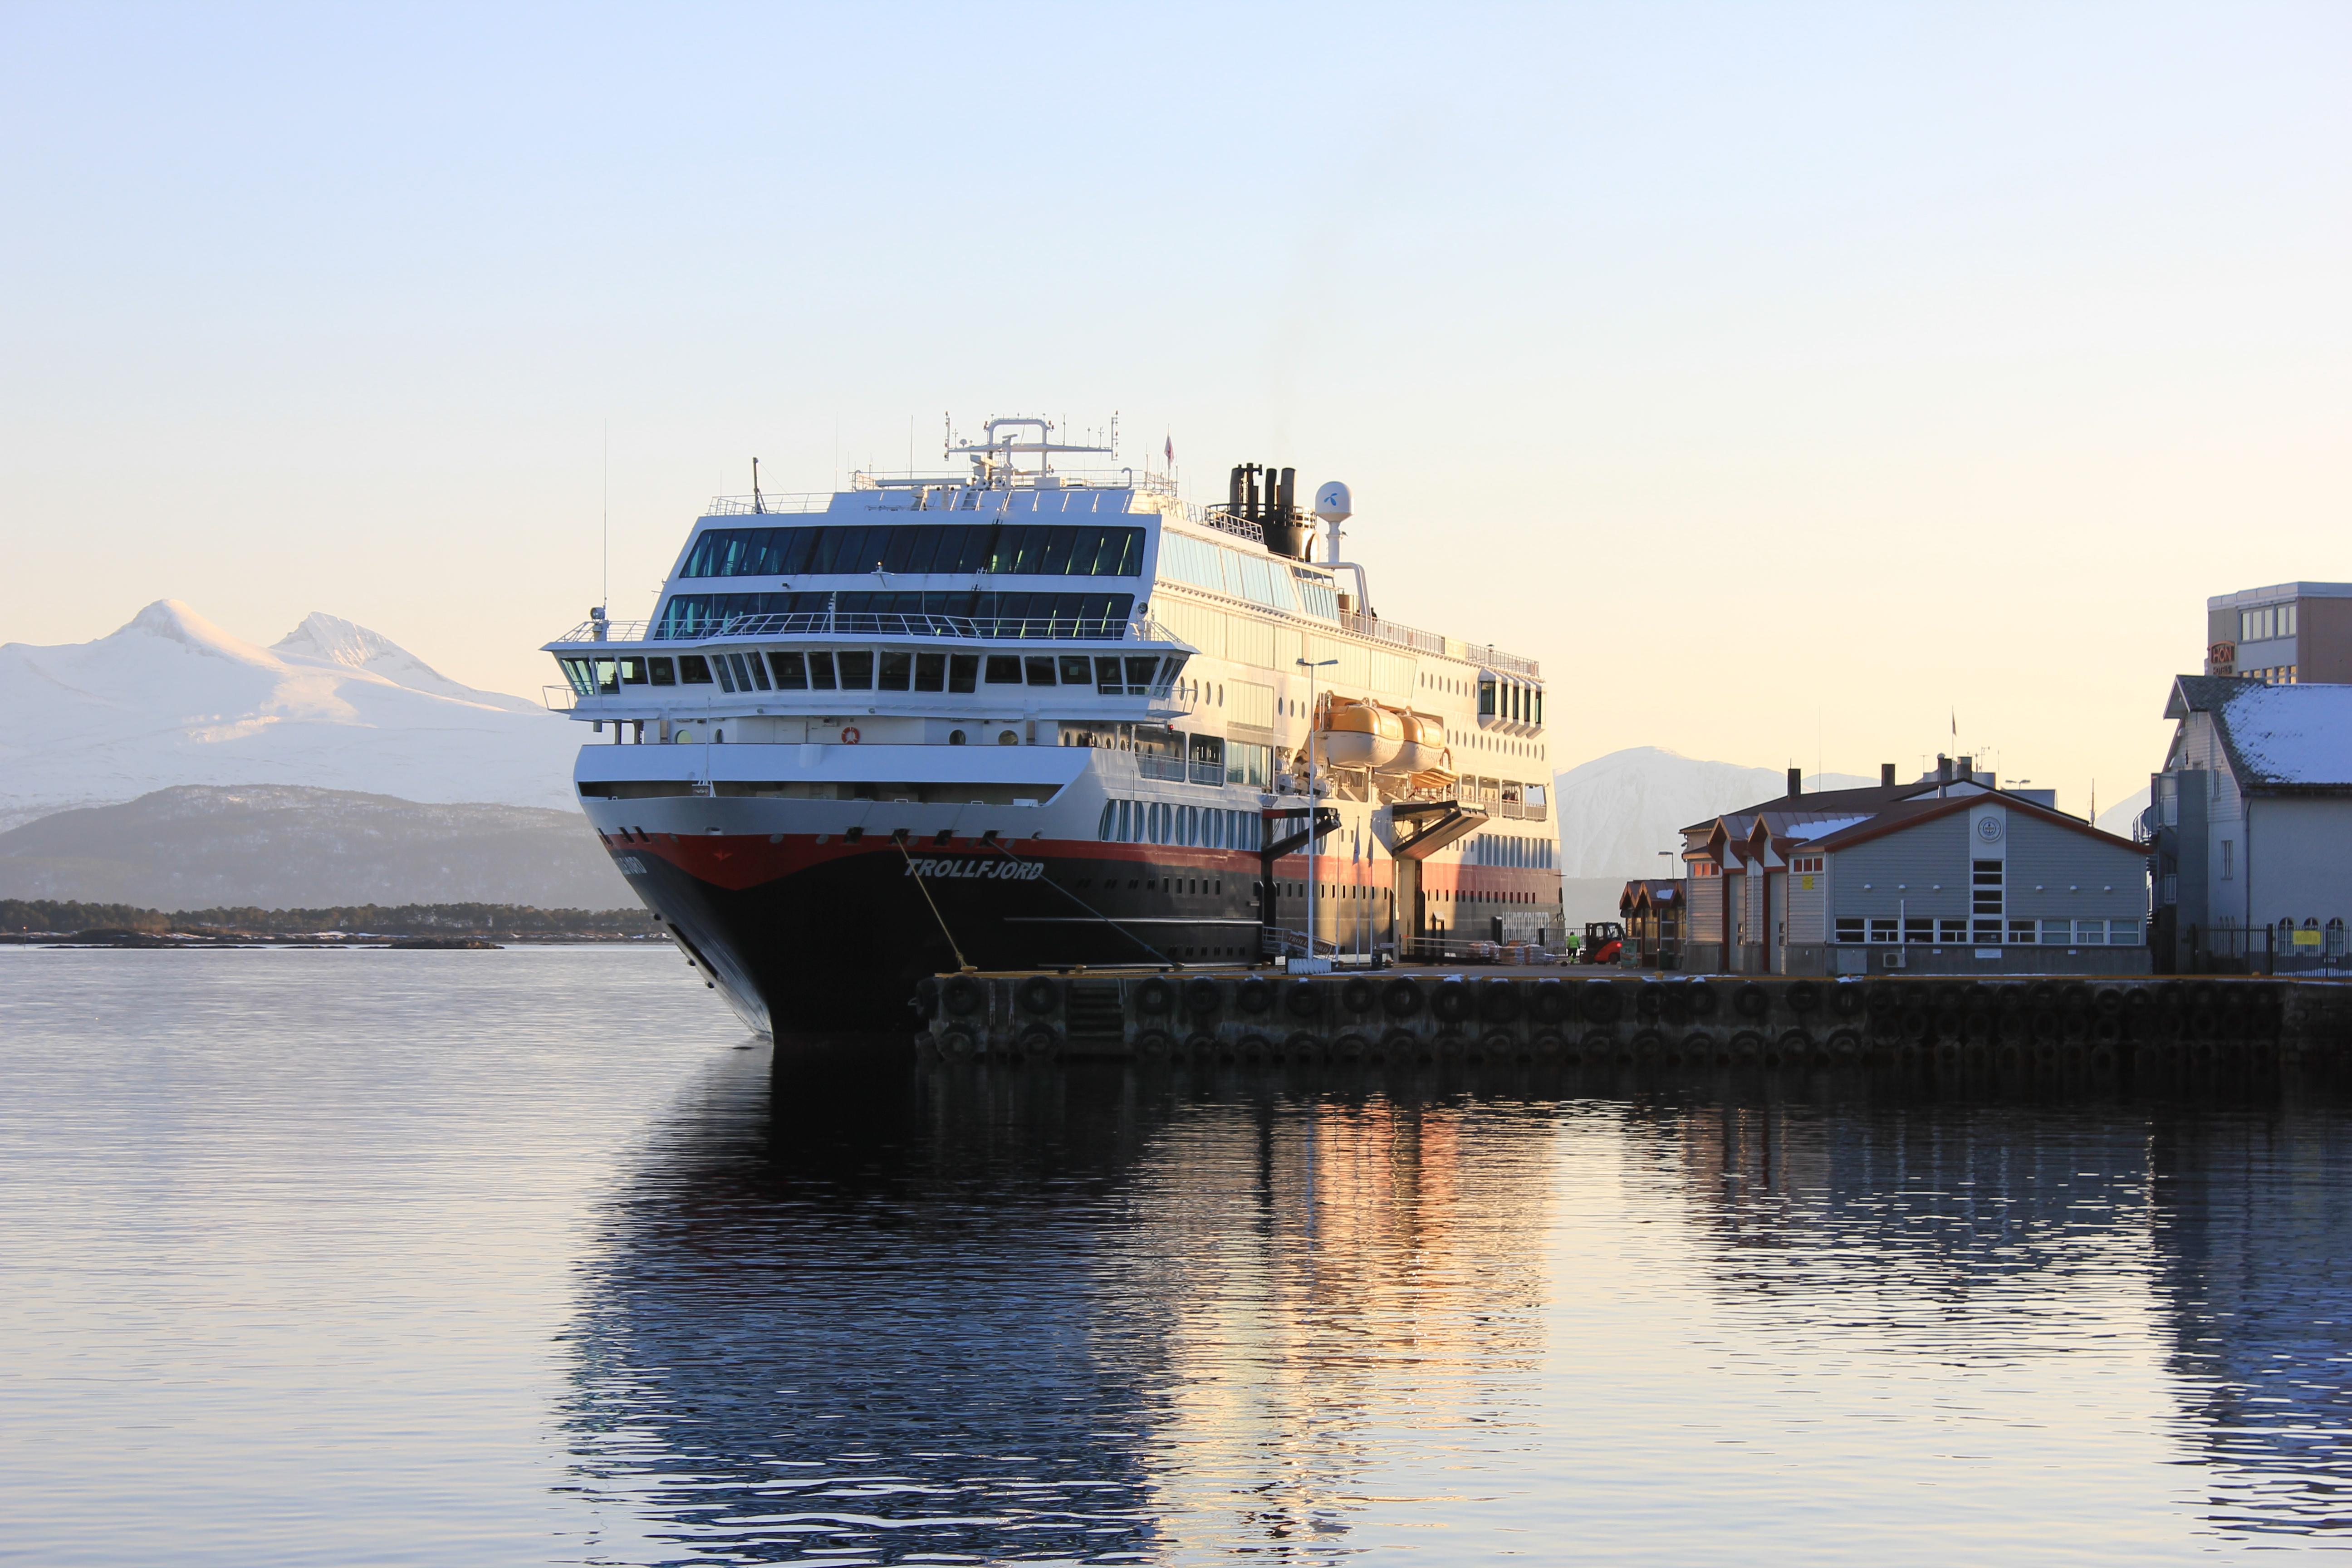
(1024,717)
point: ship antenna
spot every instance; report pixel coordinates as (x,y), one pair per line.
(606,600)
(757,504)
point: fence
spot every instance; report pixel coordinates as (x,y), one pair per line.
(2309,948)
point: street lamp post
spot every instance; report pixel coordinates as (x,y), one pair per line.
(1311,665)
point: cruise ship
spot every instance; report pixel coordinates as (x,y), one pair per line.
(1023,716)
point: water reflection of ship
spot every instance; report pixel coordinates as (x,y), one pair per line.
(856,1312)
(1050,1315)
(1339,1270)
(1957,1228)
(2254,1226)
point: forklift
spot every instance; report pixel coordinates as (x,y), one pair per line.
(1605,942)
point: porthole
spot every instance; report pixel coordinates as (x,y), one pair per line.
(955,737)
(1008,738)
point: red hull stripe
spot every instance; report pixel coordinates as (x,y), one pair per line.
(738,861)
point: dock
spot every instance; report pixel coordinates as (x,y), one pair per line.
(1430,1016)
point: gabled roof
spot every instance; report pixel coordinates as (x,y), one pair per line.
(1912,812)
(2292,739)
(1648,892)
(1827,803)
(1783,811)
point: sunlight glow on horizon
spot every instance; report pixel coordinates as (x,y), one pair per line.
(1785,381)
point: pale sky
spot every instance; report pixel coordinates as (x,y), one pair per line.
(1785,378)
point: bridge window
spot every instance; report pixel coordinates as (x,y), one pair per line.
(1003,670)
(964,670)
(897,672)
(791,671)
(693,670)
(962,613)
(664,670)
(857,668)
(1042,550)
(931,672)
(821,672)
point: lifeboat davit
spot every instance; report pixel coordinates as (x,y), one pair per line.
(1424,746)
(1438,779)
(1356,734)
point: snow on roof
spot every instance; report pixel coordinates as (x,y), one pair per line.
(1807,831)
(2291,734)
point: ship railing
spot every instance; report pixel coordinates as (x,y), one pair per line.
(925,486)
(1380,629)
(823,623)
(763,505)
(1226,522)
(1120,479)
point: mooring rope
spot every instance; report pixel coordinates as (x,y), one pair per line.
(963,966)
(999,846)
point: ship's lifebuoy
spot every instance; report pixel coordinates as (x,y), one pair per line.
(849,736)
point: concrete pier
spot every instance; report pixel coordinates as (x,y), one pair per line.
(1434,1015)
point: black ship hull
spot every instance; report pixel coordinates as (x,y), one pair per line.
(805,936)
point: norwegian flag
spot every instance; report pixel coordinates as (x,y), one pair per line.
(1170,450)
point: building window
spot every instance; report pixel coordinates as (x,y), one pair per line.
(2123,933)
(1849,928)
(2057,934)
(2269,621)
(2020,933)
(1916,930)
(2228,859)
(1882,930)
(1988,933)
(1954,931)
(1984,879)
(2090,933)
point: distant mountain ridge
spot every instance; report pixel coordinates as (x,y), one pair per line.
(1618,811)
(286,847)
(170,699)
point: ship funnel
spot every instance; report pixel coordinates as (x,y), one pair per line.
(1285,534)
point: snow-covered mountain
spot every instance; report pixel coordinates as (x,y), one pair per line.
(172,698)
(1616,812)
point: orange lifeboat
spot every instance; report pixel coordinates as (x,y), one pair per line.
(1357,734)
(1425,745)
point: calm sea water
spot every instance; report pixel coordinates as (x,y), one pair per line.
(523,1256)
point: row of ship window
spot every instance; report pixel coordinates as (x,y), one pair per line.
(1510,850)
(956,613)
(1005,549)
(1165,822)
(867,669)
(1179,757)
(1247,574)
(1991,933)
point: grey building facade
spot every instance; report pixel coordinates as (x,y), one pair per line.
(1949,874)
(2249,826)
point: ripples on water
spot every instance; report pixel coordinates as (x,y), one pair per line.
(509,1257)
